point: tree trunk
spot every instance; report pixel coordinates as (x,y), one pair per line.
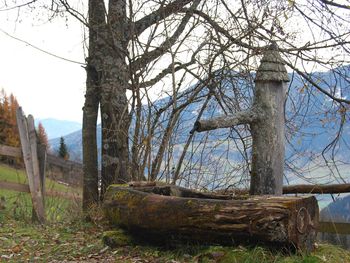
(289,221)
(114,103)
(268,130)
(90,169)
(92,100)
(115,128)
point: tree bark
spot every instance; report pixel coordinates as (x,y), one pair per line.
(268,130)
(243,117)
(287,221)
(115,128)
(92,100)
(114,103)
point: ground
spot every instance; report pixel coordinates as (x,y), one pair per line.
(75,240)
(67,237)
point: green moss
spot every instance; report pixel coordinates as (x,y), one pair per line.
(217,207)
(324,253)
(116,238)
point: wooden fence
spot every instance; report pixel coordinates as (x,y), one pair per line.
(35,160)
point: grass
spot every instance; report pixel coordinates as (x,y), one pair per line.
(14,175)
(19,205)
(79,241)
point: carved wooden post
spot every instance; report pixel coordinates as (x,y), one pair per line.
(266,119)
(268,129)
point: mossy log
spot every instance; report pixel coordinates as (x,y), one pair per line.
(288,221)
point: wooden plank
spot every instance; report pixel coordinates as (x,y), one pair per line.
(27,132)
(316,189)
(39,214)
(336,228)
(57,161)
(66,195)
(10,151)
(24,188)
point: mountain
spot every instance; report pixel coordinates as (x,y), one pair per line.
(337,211)
(312,123)
(57,128)
(74,144)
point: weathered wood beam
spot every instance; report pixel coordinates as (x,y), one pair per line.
(316,189)
(173,190)
(282,221)
(29,144)
(24,188)
(336,228)
(10,151)
(60,162)
(242,117)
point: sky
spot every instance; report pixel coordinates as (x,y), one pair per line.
(45,86)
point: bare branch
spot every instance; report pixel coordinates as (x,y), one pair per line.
(158,15)
(17,6)
(242,117)
(169,42)
(332,3)
(313,83)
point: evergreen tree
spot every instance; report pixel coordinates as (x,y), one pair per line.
(63,151)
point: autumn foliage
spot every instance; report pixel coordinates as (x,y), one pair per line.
(42,135)
(8,125)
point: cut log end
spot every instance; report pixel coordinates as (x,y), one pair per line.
(287,221)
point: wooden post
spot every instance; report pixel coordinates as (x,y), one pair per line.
(29,149)
(268,130)
(266,119)
(42,167)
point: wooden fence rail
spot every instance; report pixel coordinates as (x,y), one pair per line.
(51,160)
(335,228)
(10,151)
(24,188)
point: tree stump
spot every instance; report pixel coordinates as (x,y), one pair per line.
(269,220)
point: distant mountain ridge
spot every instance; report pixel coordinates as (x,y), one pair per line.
(315,137)
(57,128)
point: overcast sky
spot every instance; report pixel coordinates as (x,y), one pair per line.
(45,86)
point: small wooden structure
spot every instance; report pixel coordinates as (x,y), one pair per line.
(266,120)
(162,213)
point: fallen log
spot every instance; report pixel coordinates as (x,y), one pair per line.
(287,221)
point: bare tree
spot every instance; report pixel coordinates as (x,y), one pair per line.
(202,54)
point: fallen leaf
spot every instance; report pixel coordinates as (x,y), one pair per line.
(16,249)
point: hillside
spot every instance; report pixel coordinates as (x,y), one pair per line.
(338,211)
(309,131)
